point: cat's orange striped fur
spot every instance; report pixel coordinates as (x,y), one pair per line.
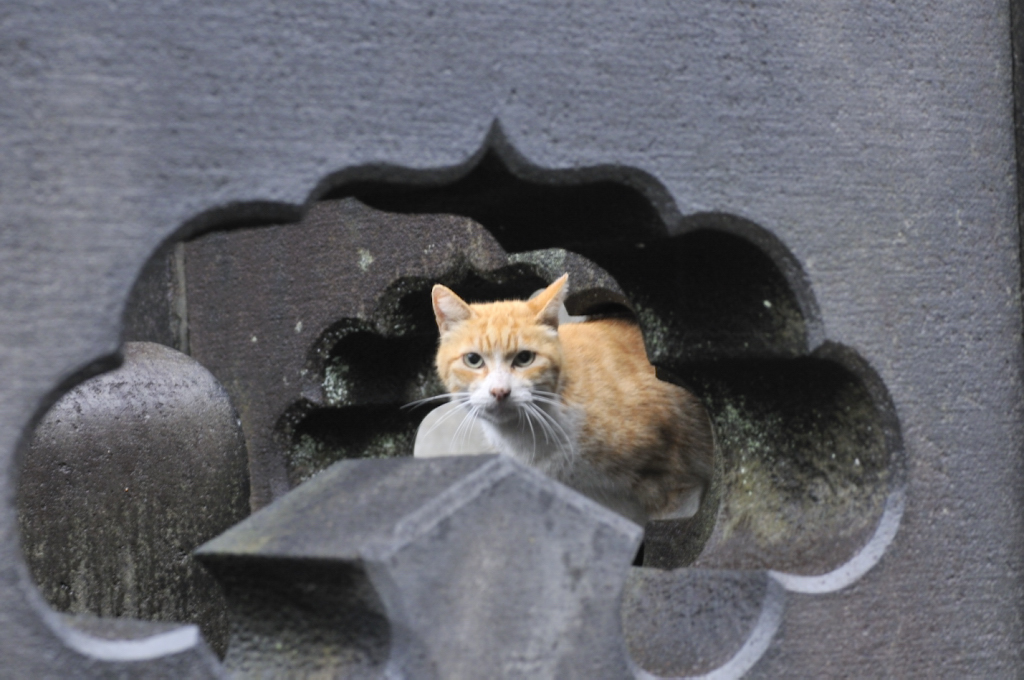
(579,401)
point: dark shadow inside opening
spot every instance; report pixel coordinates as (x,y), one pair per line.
(805,462)
(521,214)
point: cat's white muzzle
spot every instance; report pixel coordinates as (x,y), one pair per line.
(499,404)
(499,412)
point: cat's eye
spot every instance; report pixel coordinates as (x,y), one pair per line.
(524,358)
(473,360)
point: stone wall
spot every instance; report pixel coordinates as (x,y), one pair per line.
(810,208)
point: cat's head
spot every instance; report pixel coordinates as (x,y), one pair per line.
(502,355)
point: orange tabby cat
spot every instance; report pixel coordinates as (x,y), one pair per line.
(578,401)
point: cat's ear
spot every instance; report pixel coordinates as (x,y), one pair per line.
(449,308)
(549,302)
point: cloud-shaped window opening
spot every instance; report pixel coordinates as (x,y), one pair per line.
(319,327)
(808,441)
(810,481)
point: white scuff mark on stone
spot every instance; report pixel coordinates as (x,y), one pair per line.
(365,259)
(298,327)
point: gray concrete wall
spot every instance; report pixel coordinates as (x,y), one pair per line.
(874,140)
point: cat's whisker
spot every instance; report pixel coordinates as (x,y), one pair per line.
(427,400)
(530,409)
(564,460)
(542,397)
(545,400)
(545,393)
(476,411)
(446,416)
(522,422)
(466,415)
(549,434)
(459,404)
(469,428)
(533,433)
(553,424)
(462,434)
(465,426)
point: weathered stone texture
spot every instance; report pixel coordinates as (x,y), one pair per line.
(483,567)
(125,476)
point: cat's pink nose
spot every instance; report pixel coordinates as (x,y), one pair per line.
(499,393)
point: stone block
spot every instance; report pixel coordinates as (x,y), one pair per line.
(459,567)
(124,477)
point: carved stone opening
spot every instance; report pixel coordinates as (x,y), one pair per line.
(320,330)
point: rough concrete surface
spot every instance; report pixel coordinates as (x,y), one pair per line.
(873,140)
